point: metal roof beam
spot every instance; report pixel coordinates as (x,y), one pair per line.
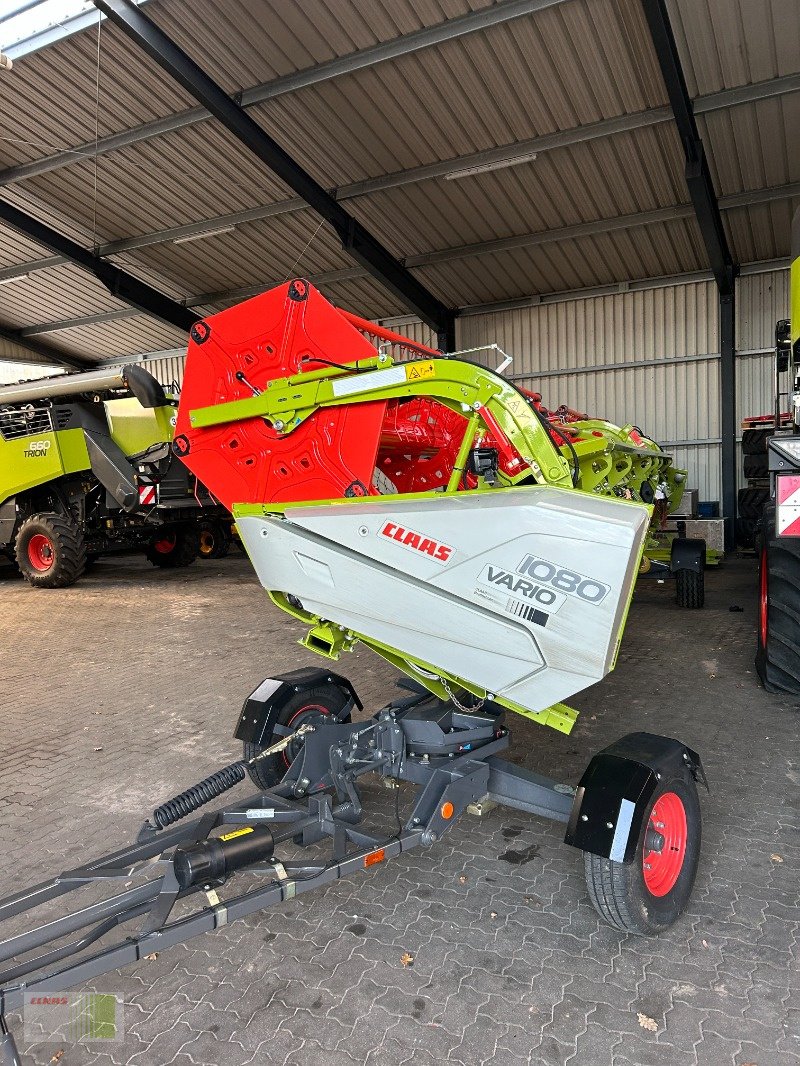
(547,142)
(697,174)
(764,266)
(525,240)
(357,241)
(33,352)
(119,283)
(407,44)
(703,105)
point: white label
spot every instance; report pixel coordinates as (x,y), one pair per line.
(376,379)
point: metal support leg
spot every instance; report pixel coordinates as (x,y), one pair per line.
(730,463)
(9,1056)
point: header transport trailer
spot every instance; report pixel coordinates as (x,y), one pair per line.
(435,513)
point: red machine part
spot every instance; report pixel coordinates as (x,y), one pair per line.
(237,351)
(413,442)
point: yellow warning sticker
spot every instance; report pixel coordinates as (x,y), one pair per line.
(237,833)
(417,371)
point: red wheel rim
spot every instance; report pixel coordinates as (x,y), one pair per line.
(310,709)
(40,552)
(662,868)
(165,544)
(763,599)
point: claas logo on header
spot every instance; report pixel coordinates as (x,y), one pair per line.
(410,538)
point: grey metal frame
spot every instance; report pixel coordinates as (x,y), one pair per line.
(333,756)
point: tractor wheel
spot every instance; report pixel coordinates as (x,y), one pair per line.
(756,466)
(690,588)
(649,894)
(214,540)
(754,441)
(174,549)
(314,705)
(778,650)
(50,551)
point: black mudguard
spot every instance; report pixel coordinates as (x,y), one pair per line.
(608,811)
(261,708)
(687,553)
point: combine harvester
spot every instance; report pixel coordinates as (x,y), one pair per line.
(486,549)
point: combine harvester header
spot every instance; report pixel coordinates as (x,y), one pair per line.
(446,531)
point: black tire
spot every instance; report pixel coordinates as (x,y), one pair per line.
(214,540)
(690,588)
(621,894)
(754,441)
(315,704)
(756,466)
(751,502)
(50,551)
(778,647)
(173,549)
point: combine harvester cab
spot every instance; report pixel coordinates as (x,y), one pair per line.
(86,468)
(498,581)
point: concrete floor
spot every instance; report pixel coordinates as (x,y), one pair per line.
(125,689)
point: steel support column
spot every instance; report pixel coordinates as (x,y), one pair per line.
(709,220)
(729,453)
(356,239)
(446,336)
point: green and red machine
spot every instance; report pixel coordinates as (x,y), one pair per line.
(485,548)
(86,468)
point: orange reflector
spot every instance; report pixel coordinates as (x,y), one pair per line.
(374,856)
(447,810)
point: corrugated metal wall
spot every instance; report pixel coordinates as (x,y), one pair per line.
(650,357)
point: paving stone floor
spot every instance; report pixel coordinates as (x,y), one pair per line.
(123,690)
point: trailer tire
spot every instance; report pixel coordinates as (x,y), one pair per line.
(690,588)
(778,650)
(314,704)
(754,441)
(172,550)
(647,895)
(50,551)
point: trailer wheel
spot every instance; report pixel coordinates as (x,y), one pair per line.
(778,651)
(174,549)
(214,540)
(50,551)
(690,588)
(311,706)
(647,895)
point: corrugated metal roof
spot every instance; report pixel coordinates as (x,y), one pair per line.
(573,63)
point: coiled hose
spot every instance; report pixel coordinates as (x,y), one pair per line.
(198,795)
